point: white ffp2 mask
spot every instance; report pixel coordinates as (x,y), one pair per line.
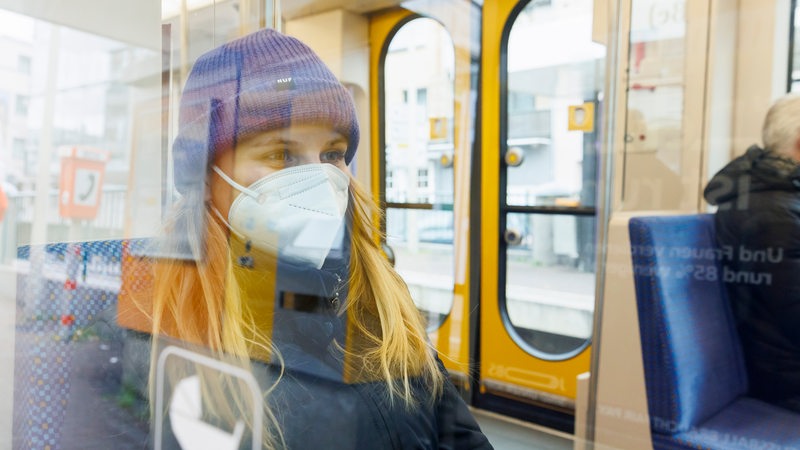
(296,213)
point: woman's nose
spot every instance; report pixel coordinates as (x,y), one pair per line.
(308,159)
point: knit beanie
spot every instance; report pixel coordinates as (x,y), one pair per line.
(261,82)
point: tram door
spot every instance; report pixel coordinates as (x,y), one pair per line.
(542,95)
(424,78)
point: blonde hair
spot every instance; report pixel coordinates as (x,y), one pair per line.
(201,302)
(394,344)
(189,292)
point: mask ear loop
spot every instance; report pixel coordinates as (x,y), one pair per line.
(249,192)
(245,260)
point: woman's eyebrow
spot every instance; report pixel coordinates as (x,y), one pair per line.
(338,140)
(275,140)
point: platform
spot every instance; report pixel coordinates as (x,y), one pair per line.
(511,434)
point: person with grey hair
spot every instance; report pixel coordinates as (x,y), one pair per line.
(758,220)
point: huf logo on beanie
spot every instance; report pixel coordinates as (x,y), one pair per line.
(284,84)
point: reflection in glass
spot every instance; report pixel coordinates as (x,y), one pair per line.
(655,111)
(550,281)
(558,167)
(71,90)
(422,241)
(70,104)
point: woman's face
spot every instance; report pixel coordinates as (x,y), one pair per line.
(268,152)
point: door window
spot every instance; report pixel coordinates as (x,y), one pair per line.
(419,77)
(550,161)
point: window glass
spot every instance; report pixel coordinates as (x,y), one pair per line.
(557,159)
(93,154)
(549,281)
(73,112)
(420,60)
(419,137)
(554,94)
(655,110)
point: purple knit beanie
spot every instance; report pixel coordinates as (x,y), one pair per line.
(261,82)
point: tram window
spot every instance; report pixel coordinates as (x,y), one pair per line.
(423,245)
(549,258)
(420,60)
(543,82)
(550,281)
(418,186)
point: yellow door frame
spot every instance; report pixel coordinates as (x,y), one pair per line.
(505,368)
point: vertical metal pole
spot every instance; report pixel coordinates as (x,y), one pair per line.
(604,208)
(41,210)
(183,70)
(269,14)
(41,204)
(244,17)
(276,14)
(166,117)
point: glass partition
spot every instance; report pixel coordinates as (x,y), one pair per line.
(656,87)
(86,106)
(76,106)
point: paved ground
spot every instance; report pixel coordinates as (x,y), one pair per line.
(510,434)
(100,412)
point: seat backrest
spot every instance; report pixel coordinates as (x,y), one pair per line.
(51,318)
(692,356)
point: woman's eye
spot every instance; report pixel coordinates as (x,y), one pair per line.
(277,155)
(332,156)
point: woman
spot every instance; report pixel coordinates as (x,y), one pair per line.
(276,262)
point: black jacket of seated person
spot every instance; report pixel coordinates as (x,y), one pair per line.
(758,224)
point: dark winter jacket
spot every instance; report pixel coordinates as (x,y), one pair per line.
(758,226)
(313,405)
(316,409)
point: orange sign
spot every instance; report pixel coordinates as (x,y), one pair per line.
(82,171)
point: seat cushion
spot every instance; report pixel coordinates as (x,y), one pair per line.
(746,424)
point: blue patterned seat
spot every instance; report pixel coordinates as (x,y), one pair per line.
(695,376)
(67,380)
